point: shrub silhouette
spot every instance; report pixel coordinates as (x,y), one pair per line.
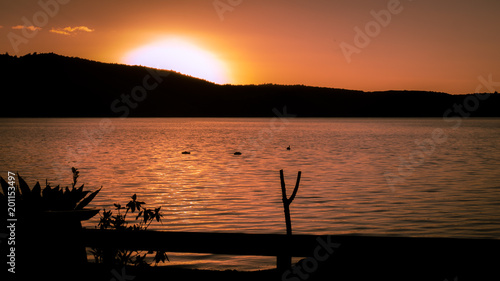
(56,198)
(118,221)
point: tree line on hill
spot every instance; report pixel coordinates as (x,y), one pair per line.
(50,85)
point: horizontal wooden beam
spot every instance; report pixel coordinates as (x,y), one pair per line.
(276,244)
(189,242)
(329,257)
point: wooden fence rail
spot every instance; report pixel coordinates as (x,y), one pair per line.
(373,250)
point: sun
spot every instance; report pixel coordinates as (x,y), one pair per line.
(182,56)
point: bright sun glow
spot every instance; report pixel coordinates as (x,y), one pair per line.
(181,56)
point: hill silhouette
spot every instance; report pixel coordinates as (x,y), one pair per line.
(50,85)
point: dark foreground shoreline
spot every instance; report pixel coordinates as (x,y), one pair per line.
(99,272)
(333,257)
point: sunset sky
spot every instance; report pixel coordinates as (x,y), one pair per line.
(439,45)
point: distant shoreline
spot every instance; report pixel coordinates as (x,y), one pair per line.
(75,87)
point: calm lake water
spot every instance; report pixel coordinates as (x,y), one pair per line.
(399,177)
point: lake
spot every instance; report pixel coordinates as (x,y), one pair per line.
(393,177)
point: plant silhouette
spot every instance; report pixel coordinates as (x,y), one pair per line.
(36,199)
(118,221)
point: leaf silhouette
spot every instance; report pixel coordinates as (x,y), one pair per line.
(138,204)
(80,189)
(157,214)
(5,186)
(23,186)
(87,200)
(46,191)
(131,206)
(36,191)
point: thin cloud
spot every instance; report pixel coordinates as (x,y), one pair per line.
(71,30)
(59,31)
(30,28)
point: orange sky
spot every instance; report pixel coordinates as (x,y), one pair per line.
(424,45)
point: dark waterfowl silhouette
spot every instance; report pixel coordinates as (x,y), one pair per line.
(237,153)
(186,152)
(288,148)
